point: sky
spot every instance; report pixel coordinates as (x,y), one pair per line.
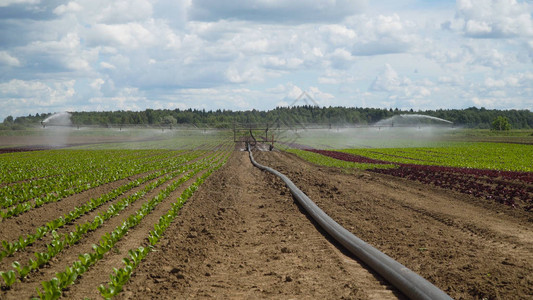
(95,55)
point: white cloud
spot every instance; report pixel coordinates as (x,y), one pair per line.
(37,93)
(289,91)
(106,65)
(341,58)
(339,77)
(517,82)
(386,81)
(383,35)
(65,54)
(257,54)
(276,62)
(4,3)
(495,18)
(71,7)
(107,12)
(404,92)
(322,98)
(125,11)
(337,34)
(97,83)
(493,58)
(132,35)
(8,60)
(243,74)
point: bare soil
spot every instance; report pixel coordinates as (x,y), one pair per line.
(242,235)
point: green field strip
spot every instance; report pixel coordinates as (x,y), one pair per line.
(21,166)
(494,156)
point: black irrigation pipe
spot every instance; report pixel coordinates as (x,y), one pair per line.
(407,281)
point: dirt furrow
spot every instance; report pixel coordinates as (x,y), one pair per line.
(467,248)
(87,286)
(243,236)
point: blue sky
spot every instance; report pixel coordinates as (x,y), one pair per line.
(94,55)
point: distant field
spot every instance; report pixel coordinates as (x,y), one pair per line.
(387,137)
(494,156)
(110,138)
(501,172)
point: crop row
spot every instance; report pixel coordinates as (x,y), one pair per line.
(23,166)
(52,289)
(500,191)
(490,156)
(67,171)
(345,155)
(10,247)
(62,241)
(122,275)
(334,159)
(70,184)
(507,187)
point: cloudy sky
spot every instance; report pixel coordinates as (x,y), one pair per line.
(136,54)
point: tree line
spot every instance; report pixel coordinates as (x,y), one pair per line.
(470,117)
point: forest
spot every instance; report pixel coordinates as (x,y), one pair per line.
(472,117)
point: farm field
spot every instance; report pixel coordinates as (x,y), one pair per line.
(500,172)
(64,211)
(180,216)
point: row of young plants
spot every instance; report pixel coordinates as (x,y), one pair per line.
(23,166)
(77,183)
(489,156)
(10,247)
(334,159)
(59,242)
(121,276)
(53,288)
(71,178)
(505,192)
(507,187)
(346,155)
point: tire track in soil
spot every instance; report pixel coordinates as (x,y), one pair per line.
(243,236)
(468,248)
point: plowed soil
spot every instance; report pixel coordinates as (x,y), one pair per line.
(242,235)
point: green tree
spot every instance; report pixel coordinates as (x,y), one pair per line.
(8,120)
(169,120)
(501,123)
